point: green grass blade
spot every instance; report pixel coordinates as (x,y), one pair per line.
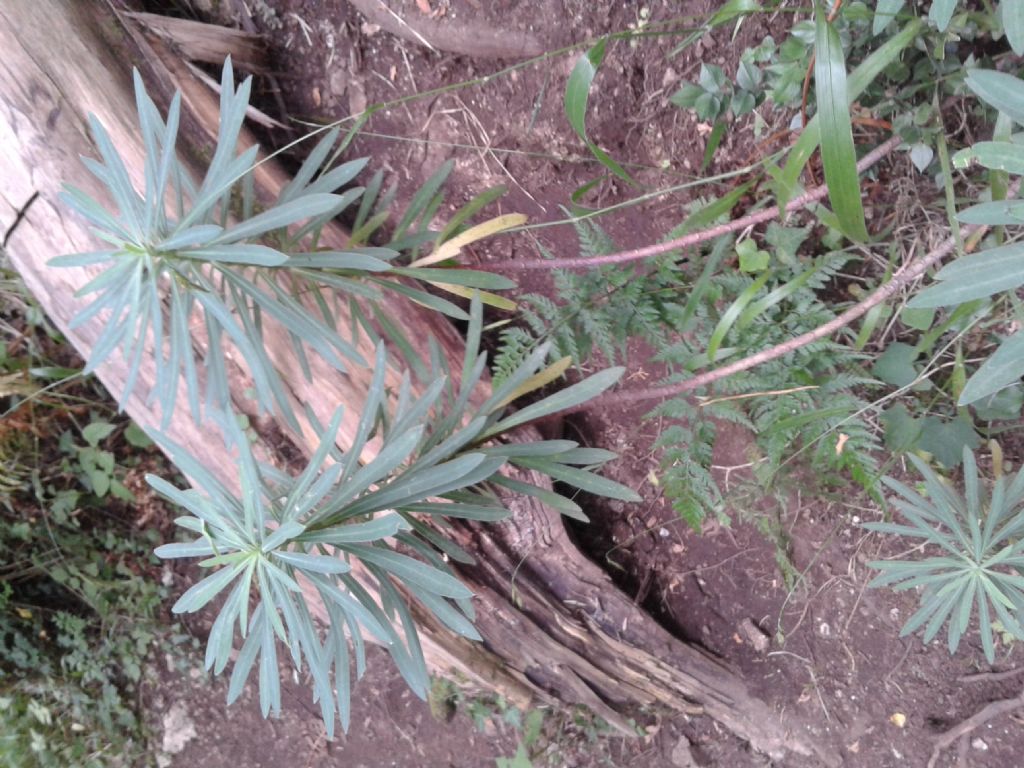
(577,92)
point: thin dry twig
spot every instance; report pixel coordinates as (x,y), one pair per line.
(694,238)
(981,717)
(991,677)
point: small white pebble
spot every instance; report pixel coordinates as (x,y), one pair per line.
(979,745)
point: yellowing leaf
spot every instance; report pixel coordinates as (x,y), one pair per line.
(24,613)
(491,299)
(449,248)
(539,379)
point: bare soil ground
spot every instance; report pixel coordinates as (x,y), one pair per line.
(791,611)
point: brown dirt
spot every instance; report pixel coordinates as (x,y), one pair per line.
(819,645)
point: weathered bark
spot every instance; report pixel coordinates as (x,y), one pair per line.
(555,627)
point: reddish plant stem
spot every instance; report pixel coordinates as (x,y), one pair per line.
(905,275)
(694,238)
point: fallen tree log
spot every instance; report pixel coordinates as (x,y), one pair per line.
(555,628)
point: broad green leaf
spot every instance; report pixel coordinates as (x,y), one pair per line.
(752,258)
(96,431)
(1003,369)
(1012,12)
(895,365)
(999,155)
(577,92)
(945,439)
(995,213)
(941,12)
(975,276)
(885,11)
(838,155)
(999,89)
(902,430)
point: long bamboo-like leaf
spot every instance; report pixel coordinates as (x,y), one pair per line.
(838,155)
(859,79)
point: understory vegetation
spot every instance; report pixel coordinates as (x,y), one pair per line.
(850,337)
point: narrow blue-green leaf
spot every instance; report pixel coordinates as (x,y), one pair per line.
(585,456)
(352,607)
(1000,90)
(199,235)
(256,255)
(197,548)
(381,527)
(317,563)
(270,678)
(337,177)
(286,532)
(409,569)
(577,92)
(585,390)
(471,278)
(279,216)
(1004,368)
(201,593)
(247,656)
(838,155)
(580,478)
(81,259)
(218,644)
(463,472)
(449,616)
(483,512)
(425,299)
(556,501)
(309,167)
(540,448)
(941,12)
(353,260)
